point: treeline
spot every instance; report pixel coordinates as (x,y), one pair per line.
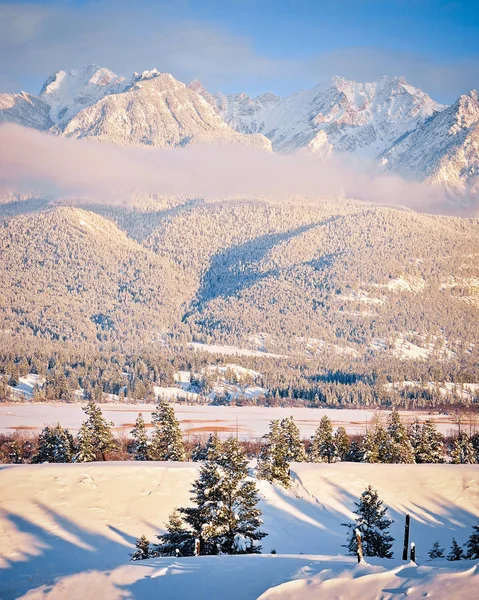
(73,375)
(390,443)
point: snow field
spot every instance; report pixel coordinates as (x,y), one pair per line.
(66,531)
(250,422)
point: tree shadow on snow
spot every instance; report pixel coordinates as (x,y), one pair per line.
(59,547)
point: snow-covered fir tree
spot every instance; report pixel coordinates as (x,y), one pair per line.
(456,552)
(272,463)
(96,431)
(214,447)
(373,524)
(239,514)
(436,551)
(140,447)
(176,541)
(342,443)
(55,445)
(375,446)
(323,447)
(474,439)
(295,451)
(472,544)
(462,452)
(225,517)
(142,550)
(85,449)
(355,453)
(203,517)
(431,446)
(167,440)
(398,446)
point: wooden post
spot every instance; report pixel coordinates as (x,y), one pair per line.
(413,552)
(359,541)
(406,538)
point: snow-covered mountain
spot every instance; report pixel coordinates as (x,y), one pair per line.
(341,115)
(443,150)
(25,109)
(154,109)
(150,109)
(390,121)
(68,93)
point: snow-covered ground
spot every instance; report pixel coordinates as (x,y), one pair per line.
(248,422)
(66,532)
(231,350)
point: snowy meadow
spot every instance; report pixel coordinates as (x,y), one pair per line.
(67,531)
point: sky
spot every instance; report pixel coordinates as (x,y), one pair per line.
(246,45)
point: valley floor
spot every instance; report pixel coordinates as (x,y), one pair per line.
(66,532)
(199,420)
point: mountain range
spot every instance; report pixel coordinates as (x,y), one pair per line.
(390,122)
(305,276)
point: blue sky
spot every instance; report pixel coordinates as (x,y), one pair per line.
(249,45)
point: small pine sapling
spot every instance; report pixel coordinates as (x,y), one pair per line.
(456,552)
(472,544)
(373,524)
(436,551)
(142,549)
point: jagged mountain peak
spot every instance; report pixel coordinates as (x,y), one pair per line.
(340,114)
(68,92)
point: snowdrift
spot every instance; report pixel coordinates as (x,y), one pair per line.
(66,532)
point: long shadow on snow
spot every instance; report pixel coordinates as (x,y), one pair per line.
(237,268)
(52,556)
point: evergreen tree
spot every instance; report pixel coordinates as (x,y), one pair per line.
(272,463)
(462,452)
(214,447)
(456,552)
(167,442)
(475,444)
(472,544)
(429,445)
(198,452)
(176,538)
(373,524)
(436,551)
(55,445)
(376,443)
(142,549)
(398,446)
(203,516)
(295,451)
(140,446)
(239,516)
(369,448)
(355,453)
(99,434)
(323,448)
(85,449)
(342,443)
(225,517)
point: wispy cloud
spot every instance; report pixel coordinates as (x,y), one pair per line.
(33,160)
(38,39)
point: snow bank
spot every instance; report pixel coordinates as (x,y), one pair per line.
(66,532)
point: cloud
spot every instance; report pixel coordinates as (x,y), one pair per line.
(39,161)
(125,36)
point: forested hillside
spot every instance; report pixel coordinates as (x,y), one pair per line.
(294,276)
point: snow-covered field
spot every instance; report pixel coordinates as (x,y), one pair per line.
(66,531)
(249,422)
